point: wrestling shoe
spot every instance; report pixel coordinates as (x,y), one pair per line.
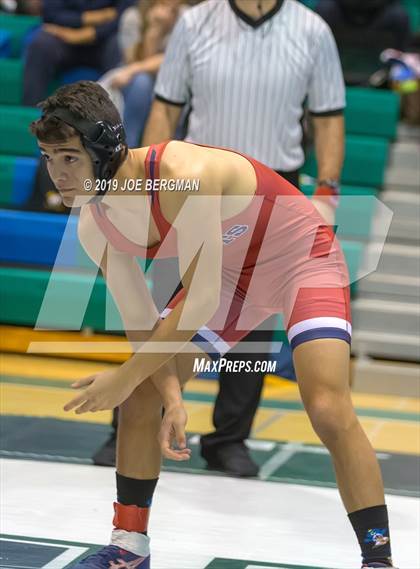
(113,557)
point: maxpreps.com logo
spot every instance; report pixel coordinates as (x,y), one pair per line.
(233,233)
(377,537)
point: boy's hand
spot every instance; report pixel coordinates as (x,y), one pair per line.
(173,430)
(102,391)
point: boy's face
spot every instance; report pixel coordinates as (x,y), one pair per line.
(69,165)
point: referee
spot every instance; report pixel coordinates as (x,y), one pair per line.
(246,68)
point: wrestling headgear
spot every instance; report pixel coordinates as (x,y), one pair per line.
(104,142)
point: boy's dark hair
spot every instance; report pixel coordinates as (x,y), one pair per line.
(85,99)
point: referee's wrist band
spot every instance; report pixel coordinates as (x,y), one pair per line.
(328,188)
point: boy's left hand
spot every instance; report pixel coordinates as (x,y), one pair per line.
(104,390)
(173,431)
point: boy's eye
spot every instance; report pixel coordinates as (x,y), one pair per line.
(45,157)
(70,159)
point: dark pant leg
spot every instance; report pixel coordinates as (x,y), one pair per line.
(109,54)
(103,56)
(46,55)
(239,393)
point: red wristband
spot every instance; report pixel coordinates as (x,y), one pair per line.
(330,192)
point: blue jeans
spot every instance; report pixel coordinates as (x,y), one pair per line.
(138,96)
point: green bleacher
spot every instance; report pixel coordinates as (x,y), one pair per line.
(413,9)
(364,163)
(355,211)
(18,27)
(22,291)
(372,112)
(11,85)
(15,139)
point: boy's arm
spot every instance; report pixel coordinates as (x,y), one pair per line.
(127,284)
(201,265)
(199,236)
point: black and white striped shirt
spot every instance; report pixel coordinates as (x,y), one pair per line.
(247,83)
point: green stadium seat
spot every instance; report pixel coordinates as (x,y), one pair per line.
(353,252)
(18,27)
(15,138)
(70,304)
(17,176)
(355,211)
(22,292)
(310,3)
(364,164)
(413,9)
(5,43)
(308,190)
(11,86)
(372,112)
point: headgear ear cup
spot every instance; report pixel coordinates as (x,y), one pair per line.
(105,143)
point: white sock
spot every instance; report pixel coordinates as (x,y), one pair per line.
(131,541)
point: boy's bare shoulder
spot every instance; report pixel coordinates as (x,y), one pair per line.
(189,161)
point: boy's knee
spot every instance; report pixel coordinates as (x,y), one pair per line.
(331,414)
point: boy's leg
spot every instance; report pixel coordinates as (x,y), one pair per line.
(322,368)
(138,467)
(140,416)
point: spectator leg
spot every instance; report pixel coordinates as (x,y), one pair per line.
(138,96)
(109,54)
(102,56)
(46,55)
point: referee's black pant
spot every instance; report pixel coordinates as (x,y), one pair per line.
(239,393)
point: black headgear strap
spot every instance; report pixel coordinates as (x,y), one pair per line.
(105,143)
